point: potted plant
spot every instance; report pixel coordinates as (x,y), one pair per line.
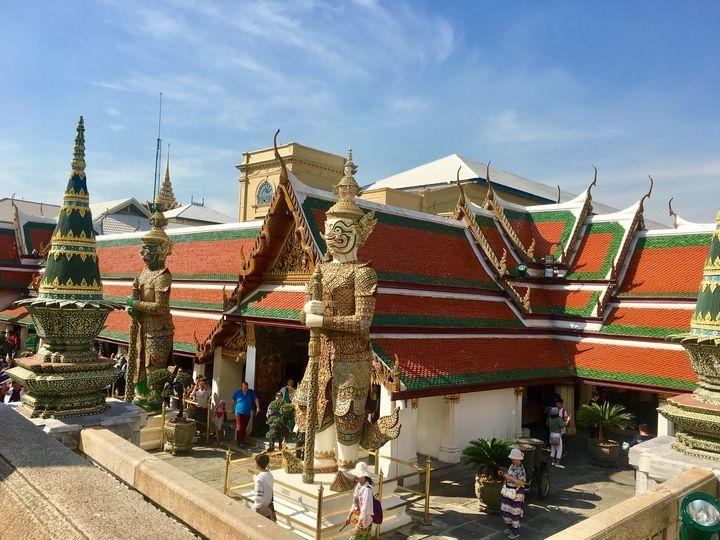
(179,431)
(487,456)
(604,451)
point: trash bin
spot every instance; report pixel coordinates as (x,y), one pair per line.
(699,517)
(539,444)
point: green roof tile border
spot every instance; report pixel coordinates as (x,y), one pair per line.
(207,236)
(644,331)
(674,240)
(183,304)
(389,319)
(584,311)
(634,378)
(468,379)
(122,336)
(197,277)
(617,231)
(548,216)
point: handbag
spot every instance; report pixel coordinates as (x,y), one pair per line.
(509,492)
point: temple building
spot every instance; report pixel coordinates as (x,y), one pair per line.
(480,316)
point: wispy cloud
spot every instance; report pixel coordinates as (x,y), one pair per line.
(510,127)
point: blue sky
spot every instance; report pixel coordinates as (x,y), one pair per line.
(543,89)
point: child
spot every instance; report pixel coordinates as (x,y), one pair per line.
(263,488)
(219,418)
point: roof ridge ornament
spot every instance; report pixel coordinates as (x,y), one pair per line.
(283,167)
(593,183)
(672,213)
(647,195)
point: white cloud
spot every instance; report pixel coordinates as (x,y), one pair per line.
(510,127)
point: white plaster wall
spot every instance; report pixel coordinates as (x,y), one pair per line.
(405,446)
(431,415)
(227,379)
(487,414)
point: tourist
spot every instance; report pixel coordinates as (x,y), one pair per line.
(513,493)
(219,419)
(361,512)
(555,425)
(642,436)
(263,495)
(563,414)
(15,394)
(244,399)
(14,341)
(200,395)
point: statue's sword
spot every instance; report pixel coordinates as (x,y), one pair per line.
(313,358)
(131,374)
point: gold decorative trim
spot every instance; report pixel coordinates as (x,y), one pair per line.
(452,399)
(415,402)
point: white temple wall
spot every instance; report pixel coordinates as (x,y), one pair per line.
(405,446)
(492,413)
(431,413)
(227,379)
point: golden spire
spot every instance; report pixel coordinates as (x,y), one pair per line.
(165,198)
(78,162)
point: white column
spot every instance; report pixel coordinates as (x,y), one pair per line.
(405,446)
(198,370)
(567,393)
(450,450)
(665,427)
(217,369)
(517,411)
(250,366)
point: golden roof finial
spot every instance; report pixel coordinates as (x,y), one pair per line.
(78,162)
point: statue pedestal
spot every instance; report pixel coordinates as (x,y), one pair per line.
(657,460)
(297,506)
(123,419)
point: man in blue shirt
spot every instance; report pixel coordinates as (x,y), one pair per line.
(244,399)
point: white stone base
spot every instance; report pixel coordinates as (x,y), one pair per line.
(151,434)
(292,499)
(123,419)
(655,461)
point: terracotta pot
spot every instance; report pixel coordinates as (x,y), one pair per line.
(604,454)
(488,493)
(179,436)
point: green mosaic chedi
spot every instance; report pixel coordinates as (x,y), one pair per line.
(66,377)
(697,415)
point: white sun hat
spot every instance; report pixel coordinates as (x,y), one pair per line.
(361,469)
(515,453)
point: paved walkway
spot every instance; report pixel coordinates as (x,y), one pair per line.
(577,492)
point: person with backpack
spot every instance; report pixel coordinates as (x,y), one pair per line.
(366,509)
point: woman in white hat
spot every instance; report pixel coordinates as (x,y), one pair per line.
(513,493)
(361,512)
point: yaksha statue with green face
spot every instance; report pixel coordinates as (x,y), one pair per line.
(152,327)
(343,317)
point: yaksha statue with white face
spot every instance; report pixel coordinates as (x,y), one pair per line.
(152,328)
(343,317)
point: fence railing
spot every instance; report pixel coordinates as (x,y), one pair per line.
(247,464)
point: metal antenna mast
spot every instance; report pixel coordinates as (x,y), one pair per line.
(158,153)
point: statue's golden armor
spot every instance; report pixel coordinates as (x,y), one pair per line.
(153,314)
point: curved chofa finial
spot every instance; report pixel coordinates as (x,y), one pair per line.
(558,195)
(489,194)
(283,167)
(672,213)
(593,183)
(649,192)
(457,181)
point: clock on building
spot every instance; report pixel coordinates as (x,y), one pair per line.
(264,193)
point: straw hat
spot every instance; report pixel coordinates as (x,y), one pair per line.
(361,469)
(515,453)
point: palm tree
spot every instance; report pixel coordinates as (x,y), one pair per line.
(605,416)
(487,456)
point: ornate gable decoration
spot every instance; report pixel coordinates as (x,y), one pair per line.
(292,264)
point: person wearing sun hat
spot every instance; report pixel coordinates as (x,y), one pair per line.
(513,493)
(361,512)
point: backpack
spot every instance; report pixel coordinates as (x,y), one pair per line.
(377,510)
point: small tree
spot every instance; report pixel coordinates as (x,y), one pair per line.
(487,456)
(604,416)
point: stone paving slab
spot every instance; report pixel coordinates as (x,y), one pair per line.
(577,492)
